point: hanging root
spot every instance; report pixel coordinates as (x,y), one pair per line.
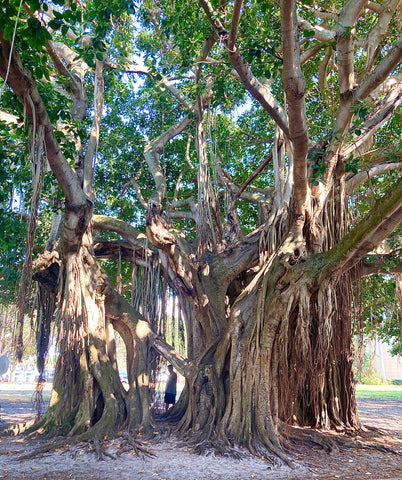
(37,399)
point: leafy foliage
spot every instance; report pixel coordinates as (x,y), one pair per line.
(168,37)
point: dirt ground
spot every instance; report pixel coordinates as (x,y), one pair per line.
(173,461)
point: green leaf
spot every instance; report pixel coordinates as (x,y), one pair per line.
(57,14)
(308,33)
(55,24)
(8,31)
(108,13)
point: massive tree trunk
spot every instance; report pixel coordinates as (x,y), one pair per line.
(88,398)
(83,367)
(285,355)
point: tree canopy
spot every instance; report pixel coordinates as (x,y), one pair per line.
(242,157)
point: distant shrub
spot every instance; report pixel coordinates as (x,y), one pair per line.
(396,382)
(372,379)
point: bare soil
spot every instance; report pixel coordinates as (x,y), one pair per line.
(174,461)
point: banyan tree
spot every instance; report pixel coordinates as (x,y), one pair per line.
(241,158)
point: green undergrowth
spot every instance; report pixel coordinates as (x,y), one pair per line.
(379,392)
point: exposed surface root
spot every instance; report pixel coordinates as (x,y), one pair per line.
(297,436)
(110,447)
(333,442)
(218,449)
(17,429)
(134,446)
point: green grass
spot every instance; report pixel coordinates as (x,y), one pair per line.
(379,392)
(363,392)
(20,396)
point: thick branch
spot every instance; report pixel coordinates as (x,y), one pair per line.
(378,32)
(92,147)
(345,45)
(75,70)
(377,117)
(345,52)
(376,226)
(320,33)
(172,356)
(152,157)
(235,23)
(8,118)
(381,72)
(261,93)
(356,180)
(390,263)
(114,249)
(129,233)
(24,87)
(295,84)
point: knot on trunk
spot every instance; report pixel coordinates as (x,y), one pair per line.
(157,226)
(46,269)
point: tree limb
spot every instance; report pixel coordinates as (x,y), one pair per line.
(389,263)
(376,226)
(75,71)
(115,249)
(320,33)
(235,24)
(381,72)
(152,153)
(8,118)
(172,356)
(166,82)
(92,147)
(356,180)
(22,83)
(345,45)
(255,174)
(295,85)
(378,32)
(261,93)
(133,236)
(137,188)
(376,118)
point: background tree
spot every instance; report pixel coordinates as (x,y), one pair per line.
(258,151)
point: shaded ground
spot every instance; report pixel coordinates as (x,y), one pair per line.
(173,461)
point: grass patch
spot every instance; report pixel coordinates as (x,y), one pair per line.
(16,393)
(379,392)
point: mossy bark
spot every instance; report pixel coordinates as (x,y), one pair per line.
(285,359)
